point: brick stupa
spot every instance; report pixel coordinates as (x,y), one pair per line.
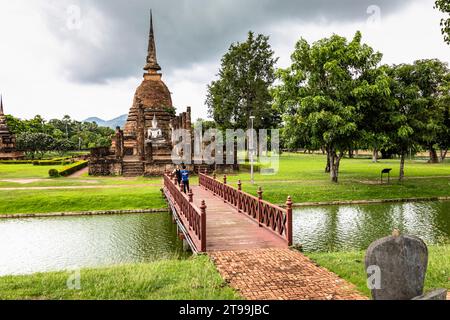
(145,145)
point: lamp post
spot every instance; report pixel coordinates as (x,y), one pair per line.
(252,147)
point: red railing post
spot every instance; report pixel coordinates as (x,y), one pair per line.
(224,187)
(289,230)
(214,176)
(239,204)
(260,198)
(203,226)
(191,196)
(182,186)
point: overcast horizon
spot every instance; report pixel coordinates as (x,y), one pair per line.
(84,58)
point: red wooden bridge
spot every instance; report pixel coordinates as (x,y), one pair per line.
(215,216)
(248,240)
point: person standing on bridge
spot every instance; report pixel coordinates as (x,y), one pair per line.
(177,173)
(185,179)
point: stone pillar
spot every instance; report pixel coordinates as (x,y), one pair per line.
(119,143)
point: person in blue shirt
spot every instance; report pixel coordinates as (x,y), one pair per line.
(185,179)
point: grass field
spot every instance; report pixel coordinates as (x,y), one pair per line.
(303,178)
(350,266)
(44,201)
(192,279)
(300,176)
(25,171)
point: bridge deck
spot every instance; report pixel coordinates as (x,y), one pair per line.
(227,229)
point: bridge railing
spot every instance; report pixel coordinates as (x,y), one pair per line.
(272,217)
(192,217)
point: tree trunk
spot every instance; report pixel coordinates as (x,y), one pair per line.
(375,155)
(443,155)
(351,152)
(335,161)
(433,156)
(328,167)
(402,167)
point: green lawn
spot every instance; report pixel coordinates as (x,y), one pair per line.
(192,279)
(25,171)
(43,201)
(303,178)
(350,266)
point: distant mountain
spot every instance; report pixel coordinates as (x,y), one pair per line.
(117,122)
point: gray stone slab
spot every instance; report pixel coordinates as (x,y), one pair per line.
(400,263)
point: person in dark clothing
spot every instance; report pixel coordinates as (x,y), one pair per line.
(185,179)
(177,173)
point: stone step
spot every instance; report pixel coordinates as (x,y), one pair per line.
(133,169)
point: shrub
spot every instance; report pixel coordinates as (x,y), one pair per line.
(53,173)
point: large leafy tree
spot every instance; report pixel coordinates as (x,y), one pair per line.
(430,75)
(247,72)
(374,100)
(35,144)
(444,6)
(408,119)
(443,104)
(320,91)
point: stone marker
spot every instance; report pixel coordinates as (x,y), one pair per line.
(400,263)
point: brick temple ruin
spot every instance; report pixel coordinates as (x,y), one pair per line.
(144,146)
(8,149)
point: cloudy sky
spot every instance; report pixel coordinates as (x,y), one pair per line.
(85,57)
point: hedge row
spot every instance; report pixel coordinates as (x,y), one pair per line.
(69,170)
(16,161)
(51,162)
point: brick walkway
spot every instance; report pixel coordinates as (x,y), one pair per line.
(280,274)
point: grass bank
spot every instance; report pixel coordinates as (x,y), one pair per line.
(350,266)
(195,278)
(303,178)
(73,200)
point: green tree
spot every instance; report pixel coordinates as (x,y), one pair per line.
(443,103)
(35,144)
(320,91)
(444,7)
(242,90)
(408,119)
(429,75)
(374,100)
(63,145)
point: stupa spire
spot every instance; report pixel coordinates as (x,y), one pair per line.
(152,65)
(1,105)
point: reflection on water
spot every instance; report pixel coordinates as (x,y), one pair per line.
(340,228)
(47,244)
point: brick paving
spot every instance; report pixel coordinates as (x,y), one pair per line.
(280,274)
